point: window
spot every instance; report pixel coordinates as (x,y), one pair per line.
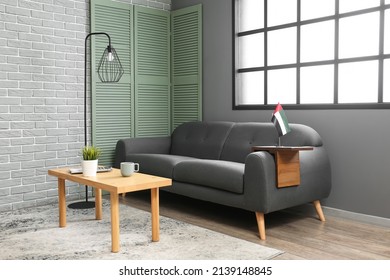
(312,54)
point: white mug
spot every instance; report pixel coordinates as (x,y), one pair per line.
(128,168)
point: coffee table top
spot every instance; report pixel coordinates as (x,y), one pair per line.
(113,181)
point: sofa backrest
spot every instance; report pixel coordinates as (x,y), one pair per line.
(243,136)
(203,140)
(302,135)
(233,141)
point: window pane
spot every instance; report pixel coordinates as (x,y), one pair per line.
(317,84)
(282,86)
(353,5)
(250,88)
(281,12)
(250,14)
(386,80)
(358,82)
(282,46)
(316,9)
(251,51)
(317,41)
(359,35)
(387,32)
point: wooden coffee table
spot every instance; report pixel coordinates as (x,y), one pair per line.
(115,184)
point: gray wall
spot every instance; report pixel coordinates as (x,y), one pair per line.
(41,95)
(357,140)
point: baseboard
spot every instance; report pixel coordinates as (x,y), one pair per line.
(334,212)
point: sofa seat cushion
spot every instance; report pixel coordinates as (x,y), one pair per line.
(157,164)
(218,174)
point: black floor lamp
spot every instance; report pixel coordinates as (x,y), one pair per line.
(110,70)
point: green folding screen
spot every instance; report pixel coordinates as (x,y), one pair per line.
(162,84)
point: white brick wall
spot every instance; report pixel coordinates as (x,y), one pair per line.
(41,95)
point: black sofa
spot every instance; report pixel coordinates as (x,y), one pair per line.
(212,161)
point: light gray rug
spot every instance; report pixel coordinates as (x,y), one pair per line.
(34,234)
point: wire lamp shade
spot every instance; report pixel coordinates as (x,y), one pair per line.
(110,69)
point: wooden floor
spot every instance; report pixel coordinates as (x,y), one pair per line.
(299,236)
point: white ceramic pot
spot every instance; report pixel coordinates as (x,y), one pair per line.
(89,167)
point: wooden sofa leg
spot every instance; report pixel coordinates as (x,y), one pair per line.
(320,214)
(261,224)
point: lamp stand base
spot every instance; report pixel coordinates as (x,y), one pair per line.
(82,205)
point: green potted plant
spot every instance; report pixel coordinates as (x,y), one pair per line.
(91,156)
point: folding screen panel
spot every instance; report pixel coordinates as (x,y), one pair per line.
(186,65)
(152,72)
(112,103)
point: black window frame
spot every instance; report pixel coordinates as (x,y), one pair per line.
(335,62)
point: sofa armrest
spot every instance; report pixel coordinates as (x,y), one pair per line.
(149,145)
(262,194)
(259,177)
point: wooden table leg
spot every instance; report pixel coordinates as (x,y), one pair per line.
(114,201)
(155,214)
(62,202)
(98,204)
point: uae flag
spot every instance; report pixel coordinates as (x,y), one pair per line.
(280,120)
